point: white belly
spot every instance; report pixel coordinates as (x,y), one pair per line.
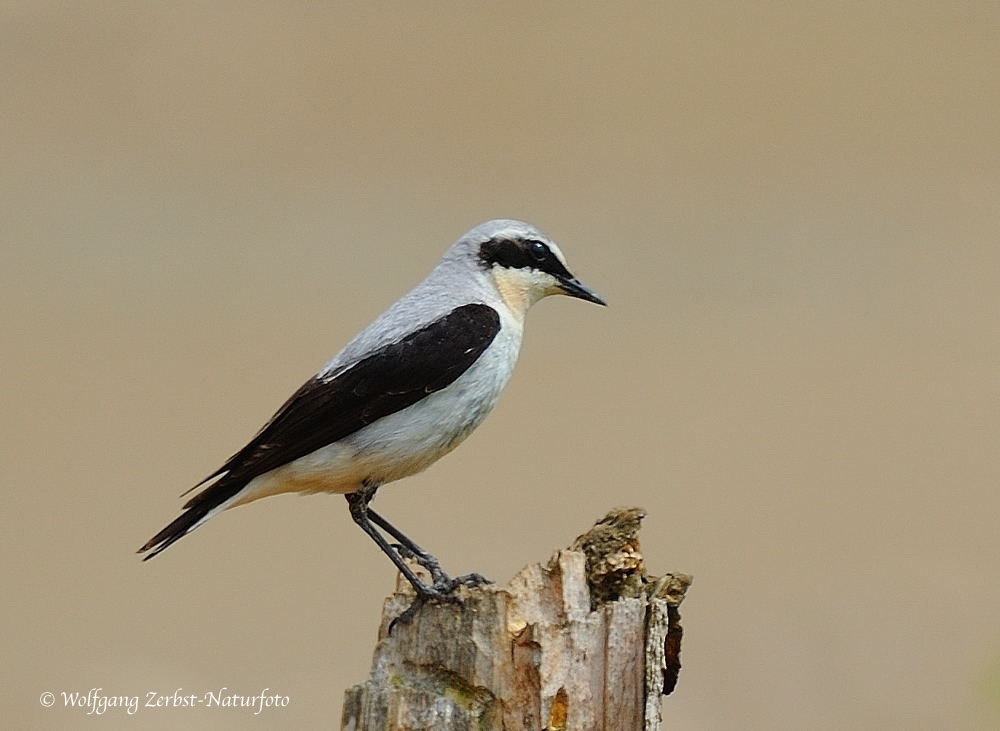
(402,443)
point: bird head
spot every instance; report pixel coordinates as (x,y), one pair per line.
(524,264)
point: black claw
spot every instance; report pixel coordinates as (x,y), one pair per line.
(406,615)
(439,592)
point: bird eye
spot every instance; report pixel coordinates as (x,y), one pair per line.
(539,250)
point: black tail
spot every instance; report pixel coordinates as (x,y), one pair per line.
(177,529)
(194,510)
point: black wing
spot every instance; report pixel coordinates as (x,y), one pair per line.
(322,412)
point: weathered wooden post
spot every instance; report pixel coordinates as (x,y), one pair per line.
(585,642)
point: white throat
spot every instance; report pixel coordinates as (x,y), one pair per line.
(521,288)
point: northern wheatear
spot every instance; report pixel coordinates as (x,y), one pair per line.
(402,394)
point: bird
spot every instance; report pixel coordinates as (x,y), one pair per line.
(404,392)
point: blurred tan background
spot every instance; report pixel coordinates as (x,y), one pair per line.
(792,209)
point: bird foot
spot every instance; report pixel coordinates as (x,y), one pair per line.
(469,580)
(440,591)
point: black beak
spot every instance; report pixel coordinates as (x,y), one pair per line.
(574,288)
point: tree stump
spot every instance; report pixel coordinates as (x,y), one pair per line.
(586,642)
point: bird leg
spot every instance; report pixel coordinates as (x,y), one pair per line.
(442,587)
(408,549)
(358,504)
